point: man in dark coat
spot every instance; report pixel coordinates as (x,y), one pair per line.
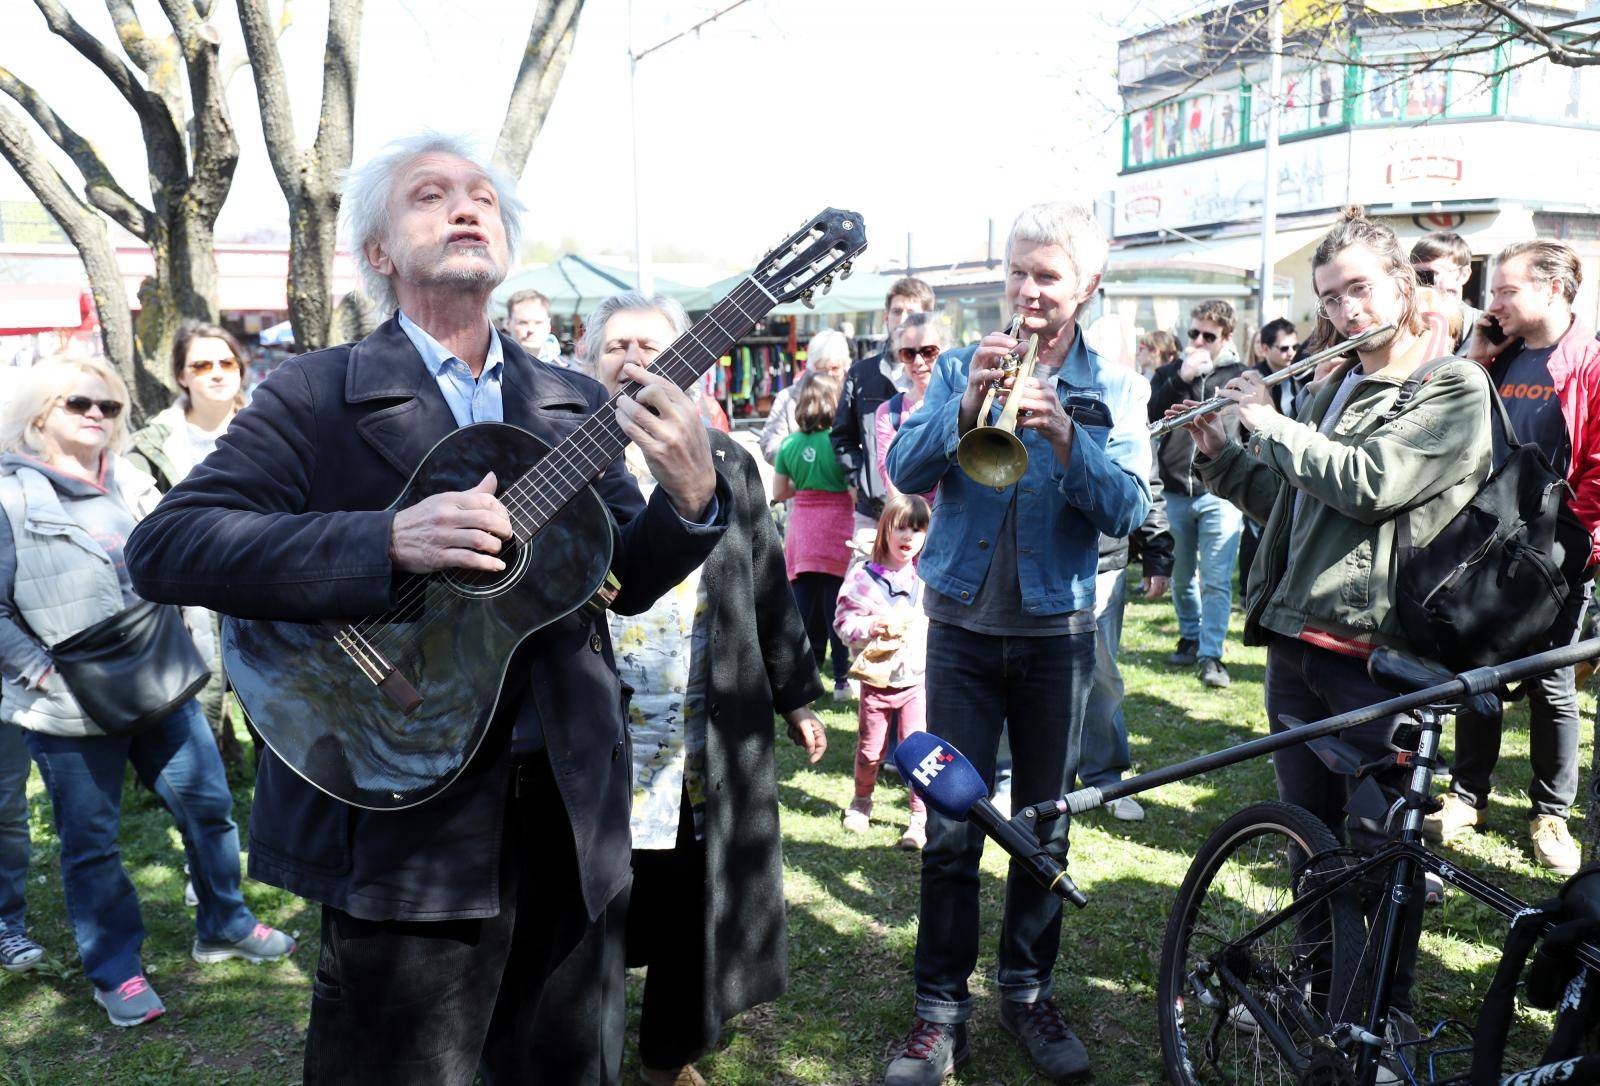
(705,913)
(441,923)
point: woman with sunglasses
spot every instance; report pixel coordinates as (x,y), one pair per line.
(69,503)
(208,369)
(918,342)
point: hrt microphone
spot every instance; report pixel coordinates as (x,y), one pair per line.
(941,775)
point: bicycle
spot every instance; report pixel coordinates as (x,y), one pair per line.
(1270,971)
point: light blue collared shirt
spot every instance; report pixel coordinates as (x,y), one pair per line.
(471,399)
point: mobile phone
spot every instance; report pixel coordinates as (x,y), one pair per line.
(1492,331)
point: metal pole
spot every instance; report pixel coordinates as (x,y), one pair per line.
(1269,191)
(641,244)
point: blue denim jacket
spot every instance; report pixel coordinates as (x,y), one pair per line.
(1060,511)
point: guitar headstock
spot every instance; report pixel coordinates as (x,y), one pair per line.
(821,249)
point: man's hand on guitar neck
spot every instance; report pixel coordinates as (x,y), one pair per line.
(458,530)
(667,427)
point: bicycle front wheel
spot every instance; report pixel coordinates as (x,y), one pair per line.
(1218,981)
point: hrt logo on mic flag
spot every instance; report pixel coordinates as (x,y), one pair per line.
(940,774)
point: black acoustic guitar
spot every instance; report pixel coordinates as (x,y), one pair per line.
(385,712)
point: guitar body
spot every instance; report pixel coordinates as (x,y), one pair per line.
(449,640)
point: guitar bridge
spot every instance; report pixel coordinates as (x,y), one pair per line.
(377,667)
(604,596)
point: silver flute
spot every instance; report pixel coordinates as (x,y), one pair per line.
(1309,362)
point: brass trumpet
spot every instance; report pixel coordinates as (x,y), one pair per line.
(1162,427)
(994,455)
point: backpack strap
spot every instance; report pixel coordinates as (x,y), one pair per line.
(896,402)
(1499,1001)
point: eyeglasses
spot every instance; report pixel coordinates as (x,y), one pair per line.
(1331,306)
(927,352)
(202,366)
(79,405)
(1207,337)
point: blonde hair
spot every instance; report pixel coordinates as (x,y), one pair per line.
(37,392)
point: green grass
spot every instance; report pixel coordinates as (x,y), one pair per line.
(852,921)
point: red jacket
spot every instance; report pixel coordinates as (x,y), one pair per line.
(1575,369)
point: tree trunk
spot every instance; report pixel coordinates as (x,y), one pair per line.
(313,236)
(555,23)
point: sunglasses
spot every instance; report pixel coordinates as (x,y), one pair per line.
(79,405)
(1208,337)
(202,366)
(1286,348)
(927,352)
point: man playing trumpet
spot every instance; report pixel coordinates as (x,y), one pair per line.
(1010,573)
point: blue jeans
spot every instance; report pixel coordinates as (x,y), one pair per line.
(1205,543)
(1105,732)
(178,760)
(975,682)
(14,766)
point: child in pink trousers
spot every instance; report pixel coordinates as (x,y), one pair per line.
(880,617)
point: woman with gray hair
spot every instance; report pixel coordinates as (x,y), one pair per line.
(827,353)
(708,665)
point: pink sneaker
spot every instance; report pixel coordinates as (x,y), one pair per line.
(131,1003)
(263,944)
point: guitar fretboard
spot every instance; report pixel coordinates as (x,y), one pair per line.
(572,465)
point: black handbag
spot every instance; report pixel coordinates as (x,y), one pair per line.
(130,671)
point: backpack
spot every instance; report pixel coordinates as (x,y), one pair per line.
(1557,980)
(1491,586)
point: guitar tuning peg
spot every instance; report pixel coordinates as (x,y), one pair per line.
(845,269)
(806,298)
(827,283)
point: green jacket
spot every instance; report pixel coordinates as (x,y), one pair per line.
(1334,567)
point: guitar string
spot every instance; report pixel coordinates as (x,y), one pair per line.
(524,501)
(523,497)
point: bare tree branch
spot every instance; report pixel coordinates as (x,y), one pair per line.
(555,24)
(272,91)
(88,234)
(335,126)
(101,187)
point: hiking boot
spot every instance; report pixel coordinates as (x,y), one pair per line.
(1126,809)
(857,816)
(671,1076)
(131,1003)
(1553,846)
(932,1051)
(263,944)
(1212,673)
(916,835)
(18,953)
(1187,653)
(1452,820)
(1054,1049)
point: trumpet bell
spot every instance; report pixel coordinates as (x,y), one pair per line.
(992,457)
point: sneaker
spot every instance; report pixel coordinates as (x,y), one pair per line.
(1399,1047)
(190,898)
(18,953)
(916,835)
(1553,846)
(263,944)
(1432,889)
(841,691)
(1054,1049)
(131,1003)
(1187,654)
(857,816)
(671,1076)
(1212,673)
(1126,809)
(932,1051)
(1452,820)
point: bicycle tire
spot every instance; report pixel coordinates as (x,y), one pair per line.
(1231,1048)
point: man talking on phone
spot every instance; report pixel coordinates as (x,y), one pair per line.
(1546,364)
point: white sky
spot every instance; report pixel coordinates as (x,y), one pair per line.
(927,116)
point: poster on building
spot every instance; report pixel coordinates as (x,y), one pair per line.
(1197,118)
(1141,134)
(1326,106)
(1424,94)
(1169,130)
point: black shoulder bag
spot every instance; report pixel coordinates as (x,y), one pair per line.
(1491,585)
(130,671)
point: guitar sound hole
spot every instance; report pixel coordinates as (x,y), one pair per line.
(477,584)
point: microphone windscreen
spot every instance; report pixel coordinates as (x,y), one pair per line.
(940,774)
